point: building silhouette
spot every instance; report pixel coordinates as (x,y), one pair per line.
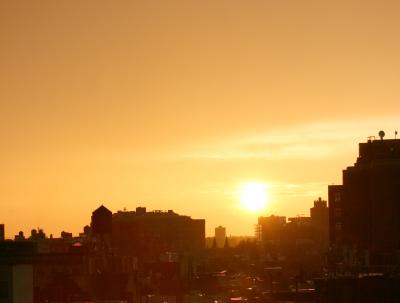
(270,229)
(149,234)
(123,257)
(101,223)
(319,214)
(298,240)
(364,212)
(220,236)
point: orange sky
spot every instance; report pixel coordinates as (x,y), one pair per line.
(174,104)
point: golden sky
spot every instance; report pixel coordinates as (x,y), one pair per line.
(174,104)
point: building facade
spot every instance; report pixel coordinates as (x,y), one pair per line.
(365,210)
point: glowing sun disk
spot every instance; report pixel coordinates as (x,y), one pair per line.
(253,196)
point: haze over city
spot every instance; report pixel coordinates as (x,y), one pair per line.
(179,104)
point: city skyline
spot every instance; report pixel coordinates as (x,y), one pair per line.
(177,105)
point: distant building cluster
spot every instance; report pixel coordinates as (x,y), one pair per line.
(281,237)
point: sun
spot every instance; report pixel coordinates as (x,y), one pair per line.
(254,196)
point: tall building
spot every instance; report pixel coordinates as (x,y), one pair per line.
(220,235)
(319,212)
(335,198)
(101,221)
(364,212)
(320,222)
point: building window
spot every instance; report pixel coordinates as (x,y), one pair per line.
(338,212)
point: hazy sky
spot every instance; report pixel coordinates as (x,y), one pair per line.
(174,104)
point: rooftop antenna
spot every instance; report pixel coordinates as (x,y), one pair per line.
(381,134)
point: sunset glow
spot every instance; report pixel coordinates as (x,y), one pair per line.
(172,104)
(254,196)
(199,151)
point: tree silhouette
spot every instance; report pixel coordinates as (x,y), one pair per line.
(226,244)
(214,244)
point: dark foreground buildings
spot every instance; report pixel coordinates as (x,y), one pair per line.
(364,223)
(365,210)
(127,257)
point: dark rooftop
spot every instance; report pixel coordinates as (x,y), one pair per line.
(102,209)
(379,150)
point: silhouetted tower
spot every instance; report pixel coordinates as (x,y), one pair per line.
(220,235)
(320,221)
(226,244)
(101,221)
(319,213)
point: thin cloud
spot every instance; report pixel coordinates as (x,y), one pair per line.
(309,141)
